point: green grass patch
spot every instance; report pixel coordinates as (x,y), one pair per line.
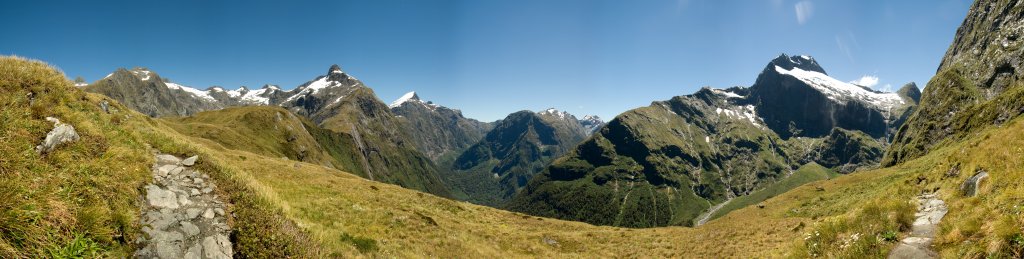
(805,174)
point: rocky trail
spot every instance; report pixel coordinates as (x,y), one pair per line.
(918,245)
(182,217)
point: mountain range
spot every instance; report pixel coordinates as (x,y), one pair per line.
(798,164)
(667,163)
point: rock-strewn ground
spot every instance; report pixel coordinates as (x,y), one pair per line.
(918,245)
(183,217)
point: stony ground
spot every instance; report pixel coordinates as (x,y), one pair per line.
(183,217)
(918,245)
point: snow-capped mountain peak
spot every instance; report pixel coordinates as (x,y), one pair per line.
(591,123)
(555,112)
(410,96)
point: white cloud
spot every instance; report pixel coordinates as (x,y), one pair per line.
(869,81)
(887,88)
(804,11)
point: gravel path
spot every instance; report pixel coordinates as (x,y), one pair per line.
(183,217)
(703,218)
(918,245)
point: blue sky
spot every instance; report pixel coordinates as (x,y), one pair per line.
(488,58)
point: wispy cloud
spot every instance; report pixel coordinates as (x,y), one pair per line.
(869,81)
(844,48)
(804,11)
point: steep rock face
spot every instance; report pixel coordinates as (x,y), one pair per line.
(146,92)
(796,97)
(519,146)
(976,85)
(666,163)
(437,130)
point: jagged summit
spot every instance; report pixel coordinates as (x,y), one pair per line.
(803,62)
(334,74)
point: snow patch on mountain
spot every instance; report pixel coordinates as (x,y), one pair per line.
(410,96)
(237,92)
(196,92)
(142,74)
(257,96)
(842,91)
(744,113)
(725,93)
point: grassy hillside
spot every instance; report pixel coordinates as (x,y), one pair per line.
(274,132)
(83,194)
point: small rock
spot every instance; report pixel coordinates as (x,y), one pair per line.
(183,200)
(105,106)
(176,171)
(193,212)
(207,190)
(162,222)
(189,228)
(219,211)
(165,159)
(208,214)
(550,241)
(194,192)
(164,170)
(61,133)
(217,247)
(189,161)
(160,198)
(167,249)
(970,187)
(194,252)
(198,180)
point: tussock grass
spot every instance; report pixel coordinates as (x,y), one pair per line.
(80,199)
